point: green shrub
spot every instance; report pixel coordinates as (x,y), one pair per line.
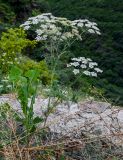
(12,44)
(28,64)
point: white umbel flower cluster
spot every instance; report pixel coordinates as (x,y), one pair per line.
(90,26)
(85,66)
(49,27)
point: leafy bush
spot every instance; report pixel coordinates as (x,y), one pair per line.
(12,44)
(44,73)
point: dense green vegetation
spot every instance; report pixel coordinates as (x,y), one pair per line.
(106,49)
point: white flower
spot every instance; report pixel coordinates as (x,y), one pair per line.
(95,27)
(89,25)
(44,37)
(74,59)
(38,38)
(54,38)
(98,32)
(89,59)
(94,24)
(39,31)
(68,35)
(44,26)
(52,26)
(95,63)
(58,33)
(83,66)
(26,23)
(65,23)
(91,65)
(93,74)
(98,70)
(82,58)
(26,27)
(87,73)
(68,65)
(75,64)
(91,31)
(75,31)
(46,14)
(76,71)
(63,37)
(35,21)
(80,24)
(84,61)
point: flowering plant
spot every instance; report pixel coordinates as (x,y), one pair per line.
(57,34)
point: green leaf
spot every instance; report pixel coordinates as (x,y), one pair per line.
(15,74)
(37,120)
(62,157)
(23,81)
(18,118)
(32,75)
(33,129)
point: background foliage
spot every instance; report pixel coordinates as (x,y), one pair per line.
(107,50)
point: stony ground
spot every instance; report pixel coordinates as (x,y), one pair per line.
(68,119)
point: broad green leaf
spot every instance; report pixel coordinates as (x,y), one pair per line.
(32,75)
(15,74)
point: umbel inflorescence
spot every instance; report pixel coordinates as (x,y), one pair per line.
(49,27)
(85,66)
(58,30)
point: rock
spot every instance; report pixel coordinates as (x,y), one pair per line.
(72,120)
